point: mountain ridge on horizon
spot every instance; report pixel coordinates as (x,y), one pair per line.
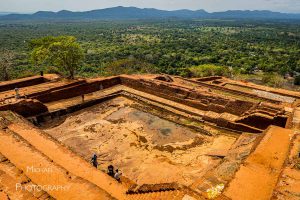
(127,13)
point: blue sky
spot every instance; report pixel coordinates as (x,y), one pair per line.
(209,5)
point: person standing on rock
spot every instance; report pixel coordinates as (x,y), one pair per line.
(110,170)
(117,175)
(94,160)
(17,93)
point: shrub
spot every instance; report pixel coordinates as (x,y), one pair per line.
(297,80)
(209,70)
(129,66)
(273,80)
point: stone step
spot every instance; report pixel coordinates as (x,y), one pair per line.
(14,177)
(58,182)
(224,172)
(288,186)
(165,195)
(10,180)
(63,156)
(259,174)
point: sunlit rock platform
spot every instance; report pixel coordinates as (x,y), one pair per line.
(172,138)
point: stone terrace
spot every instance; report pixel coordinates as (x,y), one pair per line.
(260,163)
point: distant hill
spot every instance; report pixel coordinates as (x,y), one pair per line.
(128,13)
(5,13)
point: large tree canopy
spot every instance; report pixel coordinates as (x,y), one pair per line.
(6,62)
(130,66)
(63,52)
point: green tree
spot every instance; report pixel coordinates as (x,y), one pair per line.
(209,70)
(6,62)
(62,52)
(297,80)
(129,66)
(273,80)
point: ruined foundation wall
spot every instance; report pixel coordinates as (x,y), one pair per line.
(262,122)
(236,92)
(251,122)
(253,117)
(210,78)
(220,122)
(77,90)
(10,85)
(189,97)
(49,116)
(171,93)
(270,108)
(46,92)
(26,108)
(289,121)
(273,90)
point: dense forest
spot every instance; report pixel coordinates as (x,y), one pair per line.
(239,47)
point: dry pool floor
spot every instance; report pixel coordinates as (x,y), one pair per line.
(146,148)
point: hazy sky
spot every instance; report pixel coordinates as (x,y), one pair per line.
(209,5)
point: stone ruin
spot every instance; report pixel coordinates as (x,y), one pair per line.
(172,138)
